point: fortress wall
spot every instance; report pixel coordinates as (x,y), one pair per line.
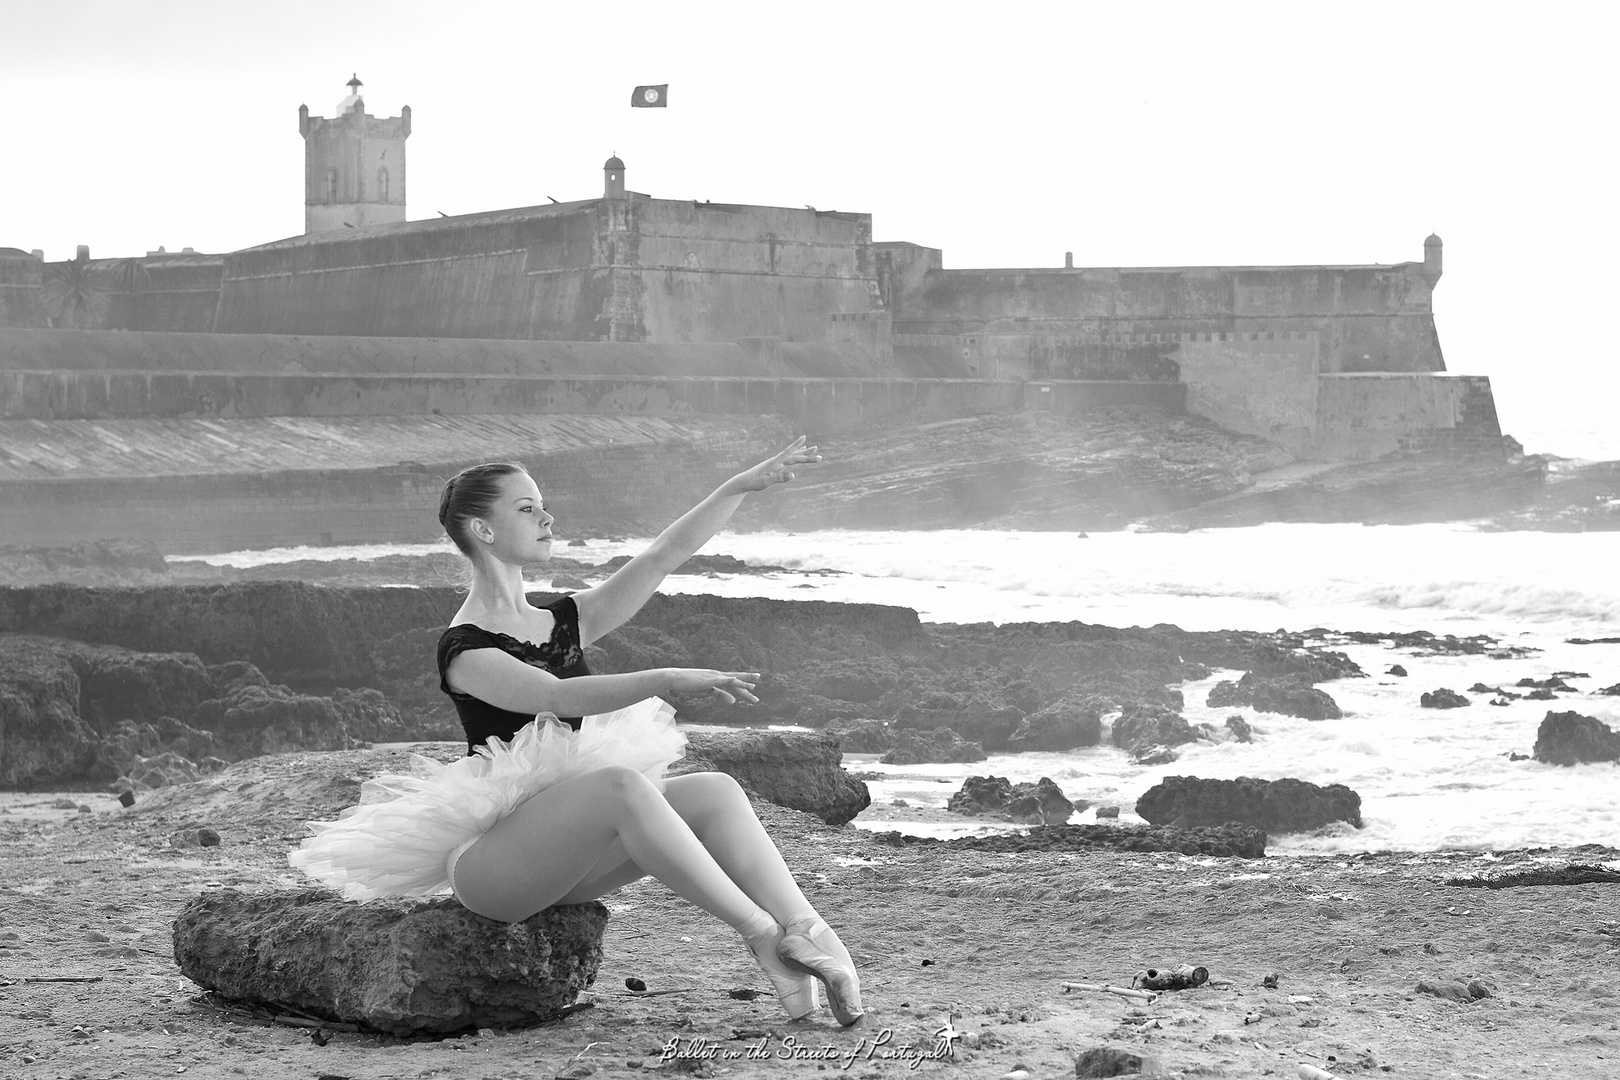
(679,304)
(636,269)
(752,239)
(1364,416)
(21,276)
(902,271)
(711,272)
(1063,322)
(600,489)
(481,275)
(1265,386)
(179,293)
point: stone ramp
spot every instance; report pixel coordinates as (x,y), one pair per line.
(34,450)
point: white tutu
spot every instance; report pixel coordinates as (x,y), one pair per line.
(396,841)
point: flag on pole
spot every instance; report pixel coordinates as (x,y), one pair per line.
(650,97)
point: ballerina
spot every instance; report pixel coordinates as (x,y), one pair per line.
(562,797)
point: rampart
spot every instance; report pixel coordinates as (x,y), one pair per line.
(1131,323)
(630,269)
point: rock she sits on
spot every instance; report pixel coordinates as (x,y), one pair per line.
(400,965)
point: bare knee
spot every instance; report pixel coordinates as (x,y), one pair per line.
(706,796)
(621,785)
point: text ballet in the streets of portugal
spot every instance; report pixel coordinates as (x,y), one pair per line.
(650,97)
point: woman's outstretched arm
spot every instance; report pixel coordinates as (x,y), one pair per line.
(608,605)
(506,682)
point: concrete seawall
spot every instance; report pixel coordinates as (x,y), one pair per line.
(198,486)
(816,405)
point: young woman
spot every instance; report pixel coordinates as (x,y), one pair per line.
(550,811)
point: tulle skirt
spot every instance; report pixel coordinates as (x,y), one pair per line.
(396,842)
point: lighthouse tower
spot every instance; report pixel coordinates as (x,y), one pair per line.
(354,165)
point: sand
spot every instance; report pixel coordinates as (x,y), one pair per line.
(983,939)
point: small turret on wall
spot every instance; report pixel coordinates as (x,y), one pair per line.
(613,178)
(1431,257)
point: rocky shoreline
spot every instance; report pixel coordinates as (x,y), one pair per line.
(1356,966)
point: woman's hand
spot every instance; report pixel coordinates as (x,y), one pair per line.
(731,685)
(774,470)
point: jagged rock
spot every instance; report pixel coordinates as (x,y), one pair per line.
(1568,738)
(1107,1061)
(1106,812)
(861,680)
(1291,695)
(400,965)
(862,736)
(1550,683)
(798,770)
(407,674)
(1396,669)
(1226,841)
(1155,755)
(1041,802)
(1277,806)
(1455,989)
(45,739)
(1612,691)
(981,795)
(569,583)
(941,745)
(1443,699)
(976,720)
(163,770)
(1240,729)
(273,719)
(1271,660)
(1481,688)
(1141,729)
(637,648)
(1062,725)
(1541,695)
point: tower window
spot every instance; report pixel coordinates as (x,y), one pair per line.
(331,185)
(382,185)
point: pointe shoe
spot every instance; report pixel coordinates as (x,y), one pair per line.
(806,950)
(797,993)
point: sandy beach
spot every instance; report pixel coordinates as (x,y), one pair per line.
(983,940)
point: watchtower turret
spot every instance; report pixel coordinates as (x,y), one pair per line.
(354,165)
(1431,257)
(613,178)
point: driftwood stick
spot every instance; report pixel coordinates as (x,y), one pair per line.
(62,978)
(1104,988)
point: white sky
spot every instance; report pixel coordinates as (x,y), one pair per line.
(1005,133)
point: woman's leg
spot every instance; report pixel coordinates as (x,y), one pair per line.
(542,851)
(718,811)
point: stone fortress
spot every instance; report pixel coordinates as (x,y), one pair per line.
(629,307)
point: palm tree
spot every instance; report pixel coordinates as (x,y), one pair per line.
(75,295)
(127,278)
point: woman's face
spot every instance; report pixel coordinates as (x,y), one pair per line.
(519,523)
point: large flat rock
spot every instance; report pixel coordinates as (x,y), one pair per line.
(399,965)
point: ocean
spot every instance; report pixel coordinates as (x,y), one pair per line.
(1428,779)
